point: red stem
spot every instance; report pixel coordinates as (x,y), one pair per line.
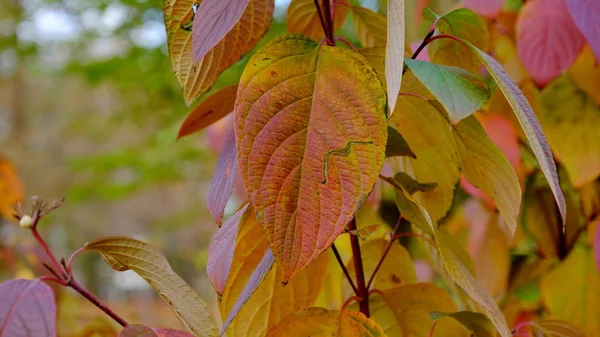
(70,263)
(328,14)
(90,297)
(49,254)
(358,268)
(348,43)
(346,273)
(385,253)
(323,24)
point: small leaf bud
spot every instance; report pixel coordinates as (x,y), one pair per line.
(26,221)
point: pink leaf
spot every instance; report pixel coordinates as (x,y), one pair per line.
(548,41)
(221,251)
(161,332)
(27,309)
(255,280)
(487,8)
(212,21)
(221,187)
(586,14)
(597,246)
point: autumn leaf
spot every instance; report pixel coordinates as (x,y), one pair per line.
(548,40)
(572,291)
(11,189)
(152,266)
(459,91)
(430,137)
(585,72)
(553,327)
(196,78)
(302,18)
(321,322)
(412,186)
(486,167)
(585,13)
(465,25)
(404,311)
(571,121)
(370,27)
(255,317)
(211,109)
(136,330)
(212,21)
(528,122)
(306,118)
(397,269)
(396,145)
(487,8)
(394,51)
(28,309)
(474,321)
(224,176)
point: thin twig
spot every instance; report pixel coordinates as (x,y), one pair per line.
(344,269)
(92,298)
(358,269)
(385,253)
(44,245)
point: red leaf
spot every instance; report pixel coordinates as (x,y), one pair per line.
(27,309)
(487,8)
(221,187)
(586,14)
(548,41)
(213,20)
(221,251)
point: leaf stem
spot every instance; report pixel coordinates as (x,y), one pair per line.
(358,268)
(46,249)
(344,269)
(385,253)
(328,14)
(323,24)
(92,298)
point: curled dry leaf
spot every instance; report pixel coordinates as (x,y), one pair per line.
(27,309)
(152,266)
(214,107)
(306,118)
(548,40)
(196,78)
(302,18)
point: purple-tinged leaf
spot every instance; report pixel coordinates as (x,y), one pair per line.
(548,40)
(597,246)
(221,187)
(137,330)
(27,309)
(220,253)
(586,14)
(213,20)
(529,123)
(256,278)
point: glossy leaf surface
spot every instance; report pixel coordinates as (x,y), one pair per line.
(27,309)
(153,267)
(311,134)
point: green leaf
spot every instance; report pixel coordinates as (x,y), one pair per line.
(459,91)
(464,24)
(486,167)
(528,121)
(152,266)
(396,145)
(474,321)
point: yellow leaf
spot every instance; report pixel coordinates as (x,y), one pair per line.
(397,269)
(571,121)
(11,190)
(486,167)
(271,301)
(430,137)
(572,291)
(505,52)
(474,321)
(585,72)
(302,18)
(152,266)
(197,78)
(370,27)
(404,311)
(319,322)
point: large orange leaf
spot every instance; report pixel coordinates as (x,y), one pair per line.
(11,190)
(270,301)
(302,18)
(572,291)
(196,78)
(311,134)
(321,322)
(548,40)
(210,110)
